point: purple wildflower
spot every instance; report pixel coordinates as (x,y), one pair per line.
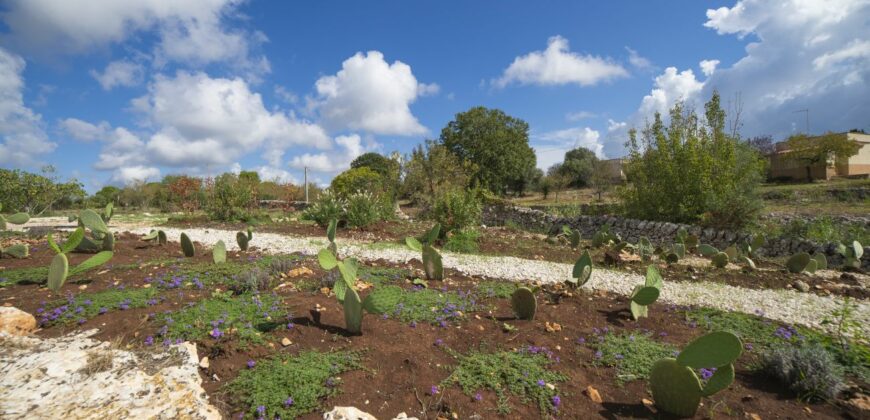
(541,382)
(251,364)
(149,341)
(288,402)
(216,333)
(433,390)
(556,401)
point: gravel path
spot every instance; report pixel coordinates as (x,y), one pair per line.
(783,305)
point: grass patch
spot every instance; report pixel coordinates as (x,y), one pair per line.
(84,306)
(27,275)
(496,289)
(431,306)
(224,317)
(633,355)
(523,374)
(759,334)
(382,275)
(290,386)
(463,242)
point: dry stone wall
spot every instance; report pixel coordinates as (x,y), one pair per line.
(658,232)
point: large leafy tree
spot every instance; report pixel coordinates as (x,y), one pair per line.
(497,143)
(36,193)
(431,170)
(811,151)
(691,170)
(578,166)
(388,168)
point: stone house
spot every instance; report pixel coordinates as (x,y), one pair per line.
(782,168)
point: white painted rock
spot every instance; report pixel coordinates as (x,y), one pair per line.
(14,321)
(49,378)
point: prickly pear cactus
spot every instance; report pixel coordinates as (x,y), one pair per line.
(432,263)
(219,252)
(17,251)
(433,234)
(187,246)
(353,312)
(821,261)
(524,303)
(242,241)
(574,238)
(719,260)
(413,244)
(152,235)
(383,299)
(643,296)
(798,262)
(707,250)
(582,271)
(93,221)
(676,388)
(57,272)
(15,219)
(108,242)
(326,259)
(330,230)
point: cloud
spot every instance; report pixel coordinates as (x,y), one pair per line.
(580,115)
(670,87)
(119,73)
(637,61)
(21,131)
(350,147)
(198,123)
(268,173)
(370,95)
(201,121)
(550,147)
(131,174)
(194,32)
(557,65)
(708,67)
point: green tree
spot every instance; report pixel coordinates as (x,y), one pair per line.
(36,193)
(388,168)
(363,179)
(496,143)
(432,170)
(811,151)
(579,165)
(692,171)
(106,195)
(230,198)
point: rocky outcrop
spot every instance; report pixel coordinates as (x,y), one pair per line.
(14,321)
(79,377)
(658,232)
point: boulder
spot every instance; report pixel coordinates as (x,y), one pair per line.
(14,321)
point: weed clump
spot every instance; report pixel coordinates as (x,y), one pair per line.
(807,370)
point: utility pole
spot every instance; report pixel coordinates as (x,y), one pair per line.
(306,185)
(807,112)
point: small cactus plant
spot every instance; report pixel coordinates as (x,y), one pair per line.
(645,249)
(800,262)
(16,251)
(353,312)
(15,219)
(243,239)
(719,260)
(344,288)
(101,239)
(707,250)
(187,246)
(645,295)
(524,303)
(59,270)
(851,254)
(432,264)
(219,252)
(676,388)
(582,271)
(330,234)
(158,235)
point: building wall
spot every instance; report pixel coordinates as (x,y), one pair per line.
(857,165)
(860,163)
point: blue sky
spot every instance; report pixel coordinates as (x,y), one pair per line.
(112,92)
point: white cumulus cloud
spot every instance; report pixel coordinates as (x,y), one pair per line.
(557,65)
(119,73)
(22,138)
(670,87)
(550,147)
(708,67)
(350,147)
(368,94)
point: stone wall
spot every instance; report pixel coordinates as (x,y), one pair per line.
(658,232)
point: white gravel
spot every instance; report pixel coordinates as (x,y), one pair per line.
(783,305)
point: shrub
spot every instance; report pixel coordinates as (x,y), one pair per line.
(328,206)
(230,198)
(364,208)
(359,179)
(457,210)
(252,281)
(464,241)
(807,370)
(692,171)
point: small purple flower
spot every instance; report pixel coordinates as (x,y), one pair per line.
(618,357)
(216,333)
(103,310)
(433,390)
(478,397)
(149,341)
(707,373)
(288,402)
(599,354)
(413,324)
(251,364)
(541,383)
(290,325)
(556,401)
(261,410)
(581,340)
(443,324)
(439,342)
(748,346)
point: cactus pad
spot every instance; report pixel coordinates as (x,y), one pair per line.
(383,299)
(242,241)
(97,260)
(675,388)
(432,263)
(645,295)
(18,218)
(433,234)
(707,250)
(330,230)
(582,271)
(18,251)
(108,242)
(723,378)
(187,246)
(57,272)
(326,259)
(798,262)
(219,252)
(91,220)
(353,312)
(715,349)
(638,311)
(414,244)
(821,261)
(574,239)
(720,260)
(524,303)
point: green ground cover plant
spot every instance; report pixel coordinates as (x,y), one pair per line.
(246,317)
(287,387)
(632,354)
(81,307)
